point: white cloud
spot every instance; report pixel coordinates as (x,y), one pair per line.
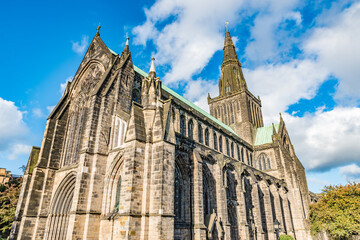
(351,172)
(37,112)
(18,150)
(324,140)
(80,47)
(64,84)
(197,92)
(194,33)
(284,84)
(337,49)
(12,126)
(317,181)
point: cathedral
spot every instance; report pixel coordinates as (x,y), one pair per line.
(125,157)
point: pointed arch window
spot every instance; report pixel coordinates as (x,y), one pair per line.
(182,125)
(227,88)
(263,162)
(207,137)
(200,133)
(232,114)
(242,155)
(178,194)
(118,191)
(238,152)
(191,129)
(120,131)
(232,149)
(227,147)
(215,142)
(220,144)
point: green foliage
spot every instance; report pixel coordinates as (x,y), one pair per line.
(337,212)
(8,200)
(286,237)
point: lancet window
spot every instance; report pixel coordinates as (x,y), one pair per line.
(191,129)
(120,131)
(182,125)
(215,142)
(220,144)
(207,137)
(200,133)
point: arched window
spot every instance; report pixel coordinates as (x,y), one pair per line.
(178,194)
(228,88)
(200,133)
(251,161)
(238,152)
(136,96)
(118,191)
(190,129)
(242,155)
(220,144)
(227,148)
(207,137)
(209,193)
(120,132)
(232,114)
(182,125)
(232,149)
(215,142)
(263,162)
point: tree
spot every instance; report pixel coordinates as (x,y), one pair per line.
(337,212)
(286,237)
(9,194)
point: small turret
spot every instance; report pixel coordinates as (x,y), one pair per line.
(151,87)
(126,49)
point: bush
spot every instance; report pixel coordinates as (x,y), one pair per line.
(286,237)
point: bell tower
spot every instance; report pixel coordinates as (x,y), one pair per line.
(235,106)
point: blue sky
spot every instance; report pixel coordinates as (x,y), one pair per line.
(301,57)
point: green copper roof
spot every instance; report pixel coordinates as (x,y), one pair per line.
(182,99)
(264,134)
(187,102)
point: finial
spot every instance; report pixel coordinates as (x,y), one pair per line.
(226,25)
(97,30)
(152,68)
(126,49)
(152,73)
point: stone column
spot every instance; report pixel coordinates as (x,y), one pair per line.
(198,212)
(268,210)
(258,218)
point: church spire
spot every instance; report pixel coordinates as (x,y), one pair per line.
(232,79)
(229,48)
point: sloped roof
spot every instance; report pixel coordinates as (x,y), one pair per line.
(187,102)
(264,134)
(182,99)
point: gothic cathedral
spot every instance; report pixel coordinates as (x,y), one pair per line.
(125,157)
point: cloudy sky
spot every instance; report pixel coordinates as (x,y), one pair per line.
(301,57)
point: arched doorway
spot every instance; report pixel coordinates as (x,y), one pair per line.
(58,220)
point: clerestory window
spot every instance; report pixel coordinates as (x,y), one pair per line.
(120,131)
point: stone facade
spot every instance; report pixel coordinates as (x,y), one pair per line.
(125,157)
